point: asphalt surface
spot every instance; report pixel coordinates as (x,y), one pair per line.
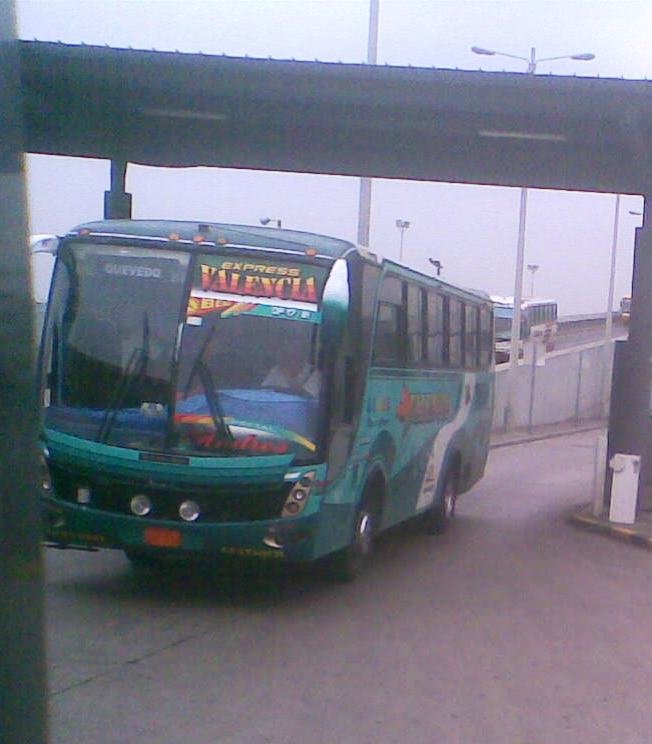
(513,627)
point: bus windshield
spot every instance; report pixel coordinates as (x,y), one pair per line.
(132,361)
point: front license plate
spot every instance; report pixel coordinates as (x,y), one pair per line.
(160,537)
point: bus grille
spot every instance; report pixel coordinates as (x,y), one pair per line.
(236,505)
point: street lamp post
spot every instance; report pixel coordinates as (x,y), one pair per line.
(612,275)
(437,264)
(532,63)
(532,268)
(364,199)
(402,227)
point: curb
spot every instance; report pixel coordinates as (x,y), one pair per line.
(585,520)
(541,436)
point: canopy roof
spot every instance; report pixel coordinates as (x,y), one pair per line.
(173,109)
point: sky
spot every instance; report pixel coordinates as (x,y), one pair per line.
(471,229)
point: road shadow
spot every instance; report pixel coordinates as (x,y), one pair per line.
(248,584)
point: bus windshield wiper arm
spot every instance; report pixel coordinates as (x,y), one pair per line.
(135,366)
(133,370)
(213,400)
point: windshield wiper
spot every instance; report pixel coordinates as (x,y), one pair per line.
(134,369)
(214,405)
(200,369)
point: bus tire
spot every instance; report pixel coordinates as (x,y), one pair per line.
(441,513)
(348,563)
(142,561)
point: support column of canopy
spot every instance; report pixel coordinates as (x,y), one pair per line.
(630,414)
(117,202)
(22,665)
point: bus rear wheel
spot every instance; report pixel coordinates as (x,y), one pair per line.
(348,563)
(441,513)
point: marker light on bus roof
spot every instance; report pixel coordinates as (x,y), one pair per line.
(174,236)
(222,241)
(311,251)
(199,238)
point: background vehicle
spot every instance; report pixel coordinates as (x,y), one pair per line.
(538,318)
(162,436)
(625,309)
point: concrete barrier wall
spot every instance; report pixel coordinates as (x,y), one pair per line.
(570,385)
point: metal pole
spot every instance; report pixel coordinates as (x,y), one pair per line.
(364,199)
(400,250)
(612,274)
(22,654)
(518,281)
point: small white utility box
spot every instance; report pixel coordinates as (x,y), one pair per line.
(624,487)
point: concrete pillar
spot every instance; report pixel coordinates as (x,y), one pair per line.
(117,202)
(22,668)
(630,420)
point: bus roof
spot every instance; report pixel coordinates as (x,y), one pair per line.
(526,302)
(434,281)
(273,238)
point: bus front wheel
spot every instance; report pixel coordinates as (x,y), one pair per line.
(143,561)
(346,564)
(441,513)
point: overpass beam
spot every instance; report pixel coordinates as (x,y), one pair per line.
(117,202)
(630,413)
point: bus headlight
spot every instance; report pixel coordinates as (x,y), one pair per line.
(189,511)
(299,495)
(140,505)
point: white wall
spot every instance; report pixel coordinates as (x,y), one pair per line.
(572,385)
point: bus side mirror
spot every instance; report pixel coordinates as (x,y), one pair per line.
(44,244)
(335,302)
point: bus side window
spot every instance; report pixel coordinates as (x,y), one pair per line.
(455,333)
(387,342)
(414,326)
(486,337)
(471,345)
(435,339)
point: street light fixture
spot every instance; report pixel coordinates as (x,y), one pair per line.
(532,63)
(267,220)
(402,227)
(532,268)
(437,264)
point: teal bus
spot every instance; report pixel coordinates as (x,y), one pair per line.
(223,390)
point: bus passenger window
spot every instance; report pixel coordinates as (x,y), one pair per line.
(435,341)
(387,341)
(455,333)
(414,325)
(471,345)
(486,337)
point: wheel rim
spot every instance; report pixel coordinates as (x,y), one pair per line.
(449,500)
(364,533)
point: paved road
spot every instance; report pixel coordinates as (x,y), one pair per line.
(513,628)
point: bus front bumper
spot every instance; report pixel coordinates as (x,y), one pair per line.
(69,525)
